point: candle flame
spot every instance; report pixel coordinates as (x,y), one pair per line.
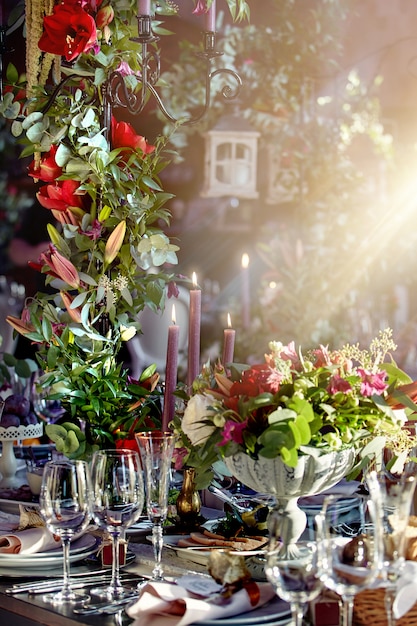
(229,321)
(194,278)
(245,260)
(173,316)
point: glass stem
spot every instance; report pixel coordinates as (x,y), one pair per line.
(115,583)
(157,542)
(297,614)
(389,601)
(347,611)
(66,586)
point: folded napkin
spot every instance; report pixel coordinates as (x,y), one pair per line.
(406,593)
(175,606)
(28,541)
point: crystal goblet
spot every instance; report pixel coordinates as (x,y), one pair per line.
(65,505)
(295,575)
(118,498)
(350,548)
(393,494)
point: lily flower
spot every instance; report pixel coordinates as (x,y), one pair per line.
(114,242)
(73,312)
(20,325)
(60,267)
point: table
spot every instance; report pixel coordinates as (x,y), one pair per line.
(25,610)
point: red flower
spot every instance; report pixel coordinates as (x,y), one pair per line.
(124,136)
(69,31)
(47,170)
(62,198)
(267,379)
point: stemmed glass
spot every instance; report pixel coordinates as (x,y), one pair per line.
(156,449)
(350,548)
(394,495)
(65,505)
(294,574)
(118,498)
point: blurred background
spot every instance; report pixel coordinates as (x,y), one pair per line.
(309,176)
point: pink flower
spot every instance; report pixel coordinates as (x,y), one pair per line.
(200,7)
(233,431)
(289,353)
(322,355)
(94,231)
(179,456)
(338,384)
(372,383)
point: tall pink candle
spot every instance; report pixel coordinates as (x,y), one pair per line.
(211,18)
(171,373)
(245,291)
(194,329)
(144,7)
(229,335)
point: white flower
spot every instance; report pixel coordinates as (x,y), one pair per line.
(192,422)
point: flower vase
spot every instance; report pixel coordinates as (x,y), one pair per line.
(313,474)
(188,502)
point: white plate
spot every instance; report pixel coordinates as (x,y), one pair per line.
(343,505)
(198,555)
(82,547)
(12,506)
(274,612)
(142,527)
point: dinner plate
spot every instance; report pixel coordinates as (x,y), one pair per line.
(314,506)
(80,549)
(198,555)
(276,612)
(142,527)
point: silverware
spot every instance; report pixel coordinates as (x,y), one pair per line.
(112,607)
(79,584)
(86,579)
(52,581)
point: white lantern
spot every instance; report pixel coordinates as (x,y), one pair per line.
(231,150)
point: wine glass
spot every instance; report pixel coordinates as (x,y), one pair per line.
(294,573)
(65,505)
(350,547)
(393,494)
(156,449)
(118,498)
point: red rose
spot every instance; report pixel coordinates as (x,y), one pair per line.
(68,32)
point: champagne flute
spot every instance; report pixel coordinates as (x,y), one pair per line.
(394,496)
(118,498)
(294,573)
(65,505)
(156,450)
(350,548)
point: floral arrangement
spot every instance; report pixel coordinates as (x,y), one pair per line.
(294,402)
(100,181)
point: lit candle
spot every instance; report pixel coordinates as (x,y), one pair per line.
(171,372)
(211,18)
(229,335)
(194,334)
(245,291)
(144,7)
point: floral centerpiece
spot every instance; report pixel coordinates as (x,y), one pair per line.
(108,253)
(297,404)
